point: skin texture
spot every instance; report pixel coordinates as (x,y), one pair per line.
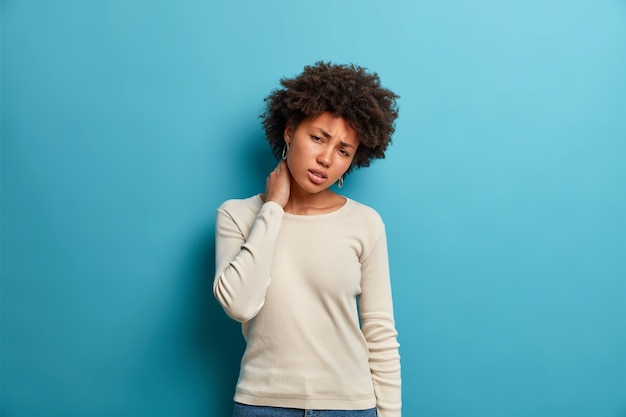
(321,149)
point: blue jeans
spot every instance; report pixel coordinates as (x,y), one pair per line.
(243,410)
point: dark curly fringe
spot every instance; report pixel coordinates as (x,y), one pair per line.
(346,91)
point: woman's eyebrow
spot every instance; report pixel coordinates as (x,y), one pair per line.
(328,136)
(325,133)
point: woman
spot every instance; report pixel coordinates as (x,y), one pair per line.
(305,269)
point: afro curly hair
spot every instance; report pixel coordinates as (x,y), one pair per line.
(346,91)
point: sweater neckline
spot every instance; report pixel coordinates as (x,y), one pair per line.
(314,217)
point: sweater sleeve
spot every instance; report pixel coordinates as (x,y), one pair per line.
(243,263)
(378,326)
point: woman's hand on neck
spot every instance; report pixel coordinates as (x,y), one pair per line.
(278,185)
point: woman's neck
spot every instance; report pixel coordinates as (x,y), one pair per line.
(302,202)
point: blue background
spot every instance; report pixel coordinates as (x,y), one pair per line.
(126,123)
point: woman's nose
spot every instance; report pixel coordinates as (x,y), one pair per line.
(325,158)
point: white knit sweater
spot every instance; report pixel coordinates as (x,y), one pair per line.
(313,295)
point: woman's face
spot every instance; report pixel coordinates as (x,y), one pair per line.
(321,150)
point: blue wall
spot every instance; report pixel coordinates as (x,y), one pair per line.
(125,123)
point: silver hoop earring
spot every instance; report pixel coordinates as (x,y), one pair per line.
(285,151)
(340,182)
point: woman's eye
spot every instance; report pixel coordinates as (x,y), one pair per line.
(316,138)
(344,152)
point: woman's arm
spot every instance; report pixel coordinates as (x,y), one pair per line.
(378,326)
(244,253)
(243,263)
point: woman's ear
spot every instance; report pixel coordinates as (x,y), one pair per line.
(288,133)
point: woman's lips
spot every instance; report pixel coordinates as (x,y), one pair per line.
(316,177)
